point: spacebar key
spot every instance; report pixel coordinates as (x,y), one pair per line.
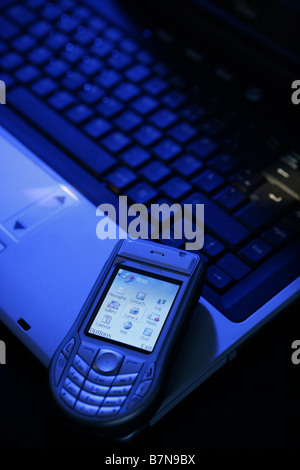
(90,155)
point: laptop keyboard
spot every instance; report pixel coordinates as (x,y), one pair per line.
(148,132)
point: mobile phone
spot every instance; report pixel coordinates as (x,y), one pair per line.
(110,370)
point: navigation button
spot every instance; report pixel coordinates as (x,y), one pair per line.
(108,362)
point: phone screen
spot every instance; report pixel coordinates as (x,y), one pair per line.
(134,309)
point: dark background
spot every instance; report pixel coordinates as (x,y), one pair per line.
(253,402)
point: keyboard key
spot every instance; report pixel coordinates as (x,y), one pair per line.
(155,171)
(51,11)
(84,36)
(212,127)
(175,188)
(44,86)
(91,93)
(211,246)
(203,147)
(278,234)
(27,74)
(135,156)
(23,43)
(120,179)
(108,78)
(222,225)
(81,12)
(260,285)
(109,107)
(182,132)
(147,134)
(293,219)
(116,141)
(163,118)
(72,53)
(137,73)
(67,23)
(233,266)
(91,156)
(79,113)
(40,29)
(187,165)
(113,33)
(255,251)
(21,15)
(286,175)
(56,40)
(96,23)
(97,127)
(230,198)
(119,60)
(208,181)
(144,105)
(7,29)
(56,68)
(247,180)
(193,113)
(268,203)
(219,280)
(126,91)
(128,120)
(155,86)
(145,57)
(89,65)
(40,55)
(174,99)
(101,48)
(167,149)
(10,61)
(224,163)
(128,45)
(142,193)
(61,100)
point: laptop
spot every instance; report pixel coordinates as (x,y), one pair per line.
(177,102)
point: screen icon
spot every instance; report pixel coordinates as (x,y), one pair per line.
(121,290)
(127,277)
(134,310)
(153,317)
(106,319)
(113,304)
(161,301)
(141,295)
(147,332)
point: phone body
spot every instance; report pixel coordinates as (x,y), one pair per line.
(110,370)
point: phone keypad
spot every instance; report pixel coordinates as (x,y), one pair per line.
(98,382)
